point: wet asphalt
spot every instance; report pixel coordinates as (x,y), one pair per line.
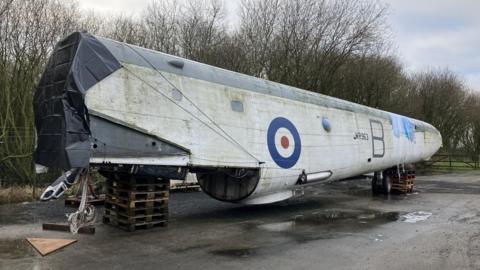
(333,226)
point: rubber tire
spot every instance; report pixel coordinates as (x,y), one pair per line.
(375,187)
(386,184)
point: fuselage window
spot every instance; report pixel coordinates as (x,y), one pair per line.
(237,106)
(326,124)
(177,95)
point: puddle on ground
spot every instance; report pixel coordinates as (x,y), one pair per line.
(235,252)
(278,226)
(328,224)
(377,238)
(346,217)
(366,192)
(15,249)
(415,217)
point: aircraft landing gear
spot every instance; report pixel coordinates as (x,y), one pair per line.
(400,179)
(381,183)
(302,179)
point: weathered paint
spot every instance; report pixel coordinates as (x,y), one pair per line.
(138,56)
(360,139)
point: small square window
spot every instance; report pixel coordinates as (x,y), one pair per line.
(237,106)
(177,95)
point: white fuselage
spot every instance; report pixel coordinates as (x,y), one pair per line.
(200,116)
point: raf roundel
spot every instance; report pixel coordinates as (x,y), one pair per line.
(283,142)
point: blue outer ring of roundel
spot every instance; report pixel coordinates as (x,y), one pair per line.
(283,162)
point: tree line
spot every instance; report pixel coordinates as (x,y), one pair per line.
(340,48)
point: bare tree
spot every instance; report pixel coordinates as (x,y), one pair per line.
(438,97)
(4,6)
(93,23)
(372,80)
(471,136)
(305,42)
(201,29)
(28,33)
(160,20)
(127,29)
(257,31)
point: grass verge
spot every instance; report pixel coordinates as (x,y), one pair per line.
(18,194)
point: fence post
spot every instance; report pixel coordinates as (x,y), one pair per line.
(34,188)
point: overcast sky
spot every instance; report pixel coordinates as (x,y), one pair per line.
(427,34)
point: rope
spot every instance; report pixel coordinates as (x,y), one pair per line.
(85,215)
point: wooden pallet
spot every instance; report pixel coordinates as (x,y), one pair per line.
(66,228)
(143,203)
(136,195)
(146,187)
(136,203)
(137,218)
(136,211)
(403,187)
(405,183)
(135,226)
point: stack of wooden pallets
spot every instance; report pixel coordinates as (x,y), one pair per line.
(136,203)
(405,183)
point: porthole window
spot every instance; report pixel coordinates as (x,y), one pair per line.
(326,124)
(177,95)
(237,106)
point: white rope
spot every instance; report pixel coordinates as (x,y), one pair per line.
(85,215)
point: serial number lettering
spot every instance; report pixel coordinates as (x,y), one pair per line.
(360,136)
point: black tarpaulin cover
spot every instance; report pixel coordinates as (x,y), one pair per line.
(61,118)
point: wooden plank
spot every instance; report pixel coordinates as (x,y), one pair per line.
(135,219)
(45,246)
(75,201)
(132,212)
(136,195)
(135,204)
(66,228)
(138,187)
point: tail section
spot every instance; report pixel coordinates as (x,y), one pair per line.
(61,118)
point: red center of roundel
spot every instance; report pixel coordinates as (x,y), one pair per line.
(284,142)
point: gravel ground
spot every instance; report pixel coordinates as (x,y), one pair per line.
(336,226)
